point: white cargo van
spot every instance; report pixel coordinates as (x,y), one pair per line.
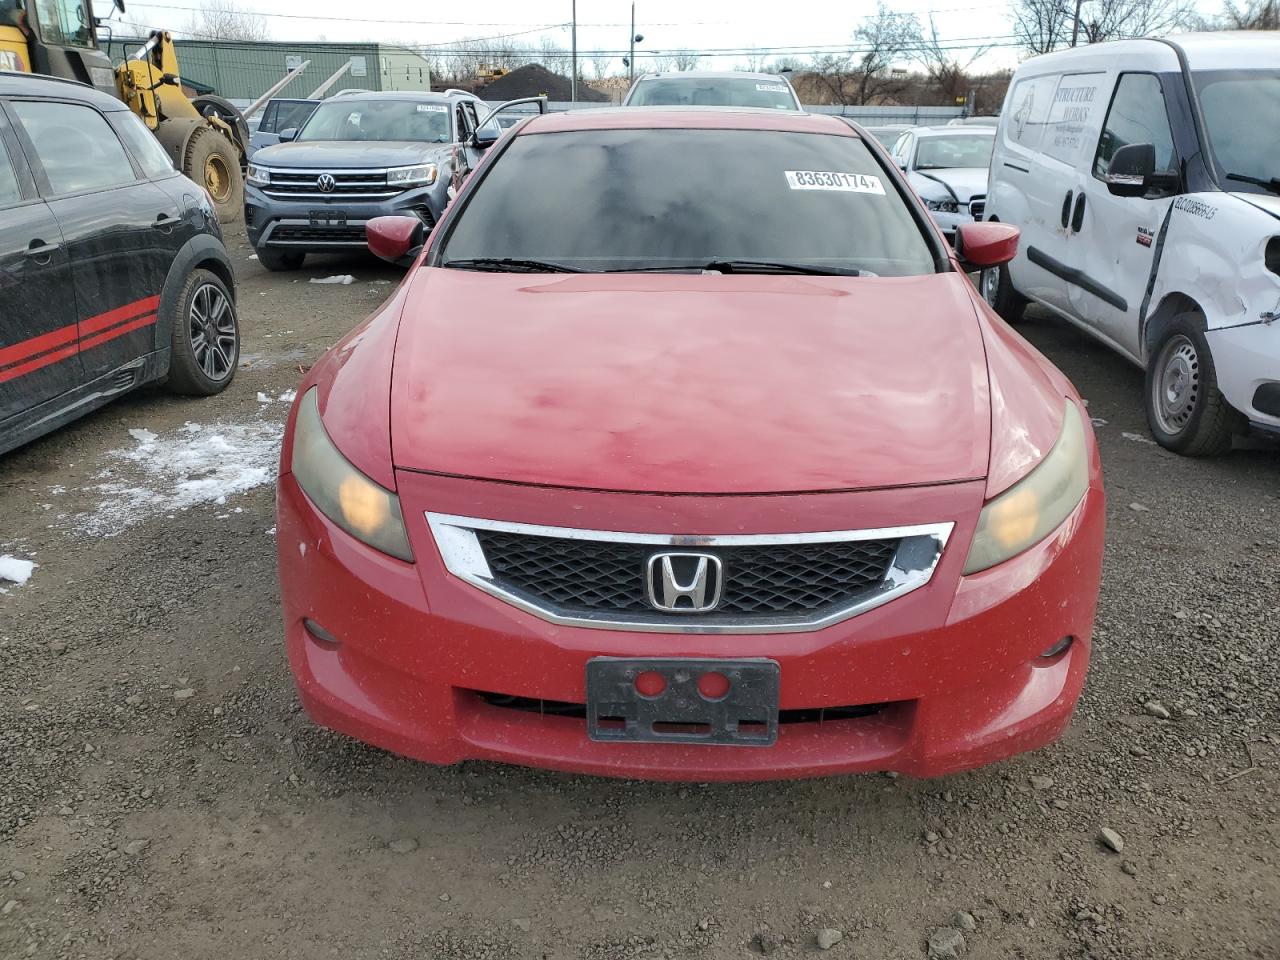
(1145,177)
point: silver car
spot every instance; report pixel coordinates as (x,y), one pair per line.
(701,88)
(948,167)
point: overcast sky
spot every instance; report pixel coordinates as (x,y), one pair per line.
(603,24)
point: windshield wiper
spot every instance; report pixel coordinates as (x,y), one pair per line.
(746,266)
(1272,184)
(511,265)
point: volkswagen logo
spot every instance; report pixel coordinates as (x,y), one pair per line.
(684,582)
(325,183)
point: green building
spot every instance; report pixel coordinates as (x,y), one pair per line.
(242,70)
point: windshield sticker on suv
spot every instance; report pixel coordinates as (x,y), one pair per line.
(771,88)
(432,108)
(848,182)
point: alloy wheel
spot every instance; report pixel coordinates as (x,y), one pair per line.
(213,332)
(990,281)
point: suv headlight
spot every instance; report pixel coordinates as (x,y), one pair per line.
(942,206)
(258,176)
(419,176)
(340,491)
(1038,503)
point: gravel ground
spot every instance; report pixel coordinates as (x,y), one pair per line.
(162,795)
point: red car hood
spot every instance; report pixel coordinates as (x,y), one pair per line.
(675,383)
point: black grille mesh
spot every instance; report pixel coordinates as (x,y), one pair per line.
(765,580)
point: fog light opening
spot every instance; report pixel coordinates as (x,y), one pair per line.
(1058,648)
(320,634)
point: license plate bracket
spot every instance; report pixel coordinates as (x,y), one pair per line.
(328,218)
(746,714)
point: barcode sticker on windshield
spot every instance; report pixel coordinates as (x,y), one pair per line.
(432,108)
(848,182)
(771,87)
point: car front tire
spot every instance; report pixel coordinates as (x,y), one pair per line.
(1186,411)
(997,289)
(277,260)
(204,337)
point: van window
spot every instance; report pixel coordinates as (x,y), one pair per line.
(1074,116)
(1027,110)
(1137,115)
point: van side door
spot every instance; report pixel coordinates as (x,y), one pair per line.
(1046,144)
(1120,232)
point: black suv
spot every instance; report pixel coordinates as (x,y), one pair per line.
(359,156)
(112,267)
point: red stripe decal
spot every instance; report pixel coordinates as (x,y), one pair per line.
(111,317)
(26,349)
(119,331)
(33,365)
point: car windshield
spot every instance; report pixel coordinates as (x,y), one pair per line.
(616,200)
(962,150)
(1242,113)
(713,92)
(367,120)
(292,114)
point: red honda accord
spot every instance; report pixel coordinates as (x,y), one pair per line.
(686,450)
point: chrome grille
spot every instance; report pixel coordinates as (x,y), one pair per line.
(591,575)
(348,185)
(771,582)
(977,205)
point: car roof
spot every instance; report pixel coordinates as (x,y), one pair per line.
(957,131)
(413,96)
(1219,50)
(27,85)
(696,118)
(1229,49)
(713,75)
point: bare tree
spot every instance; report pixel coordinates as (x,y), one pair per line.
(658,63)
(863,74)
(947,74)
(1044,25)
(600,64)
(683,60)
(226,20)
(554,57)
(1249,15)
(756,62)
(1041,25)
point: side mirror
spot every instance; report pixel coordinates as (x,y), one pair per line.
(982,245)
(395,239)
(288,134)
(1130,171)
(486,137)
(118,4)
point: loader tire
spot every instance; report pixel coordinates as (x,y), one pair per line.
(212,161)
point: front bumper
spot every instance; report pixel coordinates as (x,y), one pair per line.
(329,224)
(955,664)
(1246,359)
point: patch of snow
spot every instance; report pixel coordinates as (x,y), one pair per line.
(15,570)
(1137,438)
(196,464)
(288,396)
(343,278)
(1099,422)
(253,256)
(263,398)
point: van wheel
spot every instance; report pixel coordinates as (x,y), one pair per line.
(204,337)
(1185,410)
(997,290)
(277,260)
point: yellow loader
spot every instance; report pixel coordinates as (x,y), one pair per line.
(206,136)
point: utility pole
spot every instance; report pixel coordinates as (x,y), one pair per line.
(1075,29)
(631,60)
(573,79)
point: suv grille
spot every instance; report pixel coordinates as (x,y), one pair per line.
(348,185)
(293,233)
(587,576)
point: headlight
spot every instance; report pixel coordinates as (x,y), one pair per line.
(942,206)
(258,176)
(412,176)
(340,491)
(1038,503)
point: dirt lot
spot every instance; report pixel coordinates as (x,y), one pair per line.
(162,795)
